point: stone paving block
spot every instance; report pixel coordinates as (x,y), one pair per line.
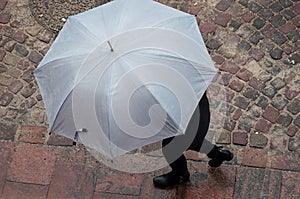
(223,5)
(5,99)
(290,185)
(254,7)
(292,130)
(35,57)
(235,25)
(21,49)
(258,23)
(241,102)
(58,140)
(287,28)
(278,143)
(98,195)
(20,37)
(236,85)
(4,18)
(284,160)
(7,131)
(22,64)
(258,140)
(24,191)
(195,9)
(32,134)
(240,138)
(224,138)
(149,191)
(213,44)
(257,54)
(294,106)
(276,7)
(254,157)
(244,74)
(71,181)
(248,16)
(6,151)
(279,38)
(71,155)
(3,4)
(222,19)
(113,182)
(251,93)
(255,83)
(265,13)
(229,67)
(294,144)
(209,183)
(284,119)
(271,114)
(15,86)
(32,164)
(256,37)
(257,183)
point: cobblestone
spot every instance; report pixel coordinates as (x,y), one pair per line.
(45,36)
(35,57)
(222,19)
(258,23)
(240,138)
(20,37)
(258,140)
(251,93)
(5,99)
(223,5)
(3,68)
(15,86)
(4,18)
(269,91)
(278,38)
(263,126)
(28,75)
(28,91)
(7,131)
(294,106)
(22,64)
(278,83)
(21,50)
(294,144)
(279,102)
(241,102)
(3,4)
(278,143)
(291,131)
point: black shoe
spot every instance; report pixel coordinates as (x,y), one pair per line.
(170,179)
(218,156)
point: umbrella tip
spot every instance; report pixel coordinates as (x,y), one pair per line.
(111,48)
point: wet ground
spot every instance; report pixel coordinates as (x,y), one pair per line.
(255,46)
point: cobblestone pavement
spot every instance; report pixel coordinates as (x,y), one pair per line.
(254,43)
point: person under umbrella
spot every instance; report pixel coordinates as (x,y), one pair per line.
(177,160)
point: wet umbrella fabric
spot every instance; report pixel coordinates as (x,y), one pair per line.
(124,74)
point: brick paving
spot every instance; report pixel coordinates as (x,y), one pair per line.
(254,43)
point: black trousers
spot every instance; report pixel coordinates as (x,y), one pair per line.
(174,147)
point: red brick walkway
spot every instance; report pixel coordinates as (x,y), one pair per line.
(255,45)
(37,171)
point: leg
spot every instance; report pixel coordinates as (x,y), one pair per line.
(217,154)
(179,173)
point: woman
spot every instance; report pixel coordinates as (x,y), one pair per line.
(179,173)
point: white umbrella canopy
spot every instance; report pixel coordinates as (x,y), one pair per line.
(124,75)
